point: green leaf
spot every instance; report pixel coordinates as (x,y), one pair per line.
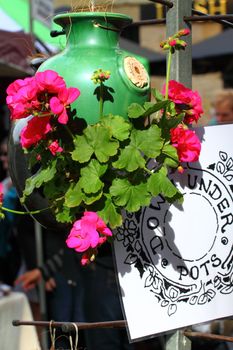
(82,151)
(171,109)
(159,183)
(110,214)
(128,196)
(37,180)
(157,95)
(73,196)
(178,197)
(118,125)
(135,110)
(97,139)
(173,122)
(170,156)
(64,216)
(148,141)
(130,159)
(90,176)
(156,107)
(148,105)
(55,187)
(91,198)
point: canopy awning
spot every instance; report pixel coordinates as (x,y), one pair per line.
(216,47)
(15,49)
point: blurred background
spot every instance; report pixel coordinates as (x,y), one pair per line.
(25,27)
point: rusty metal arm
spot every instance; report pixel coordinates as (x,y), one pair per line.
(208,336)
(69,326)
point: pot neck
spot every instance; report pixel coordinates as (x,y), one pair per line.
(91,33)
(100,30)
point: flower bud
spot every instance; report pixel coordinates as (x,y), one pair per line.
(184,32)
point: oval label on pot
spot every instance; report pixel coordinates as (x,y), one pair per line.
(136,72)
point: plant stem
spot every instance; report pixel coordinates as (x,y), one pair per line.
(148,171)
(44,115)
(169,61)
(24,212)
(69,131)
(101,100)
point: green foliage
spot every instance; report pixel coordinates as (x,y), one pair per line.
(90,176)
(37,180)
(73,196)
(129,196)
(96,140)
(119,127)
(110,213)
(170,156)
(105,167)
(159,183)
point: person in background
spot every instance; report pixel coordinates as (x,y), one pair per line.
(61,272)
(222,107)
(9,253)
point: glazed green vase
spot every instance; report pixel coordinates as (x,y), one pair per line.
(93,43)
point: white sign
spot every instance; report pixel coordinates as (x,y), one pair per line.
(42,10)
(175,262)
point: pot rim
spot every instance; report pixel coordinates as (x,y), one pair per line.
(117,19)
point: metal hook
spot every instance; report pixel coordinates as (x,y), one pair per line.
(96,24)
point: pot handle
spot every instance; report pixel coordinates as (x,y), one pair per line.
(55,33)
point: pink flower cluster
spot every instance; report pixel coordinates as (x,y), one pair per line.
(186,100)
(43,96)
(187,144)
(87,234)
(174,42)
(55,148)
(189,102)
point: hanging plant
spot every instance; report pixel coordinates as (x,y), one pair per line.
(90,173)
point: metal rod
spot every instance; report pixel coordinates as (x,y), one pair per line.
(209,17)
(163,2)
(209,336)
(67,326)
(202,17)
(41,285)
(181,67)
(148,22)
(215,18)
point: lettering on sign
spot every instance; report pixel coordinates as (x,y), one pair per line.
(184,252)
(211,7)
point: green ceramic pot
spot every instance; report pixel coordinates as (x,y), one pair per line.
(92,43)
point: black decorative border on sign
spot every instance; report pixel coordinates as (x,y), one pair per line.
(167,292)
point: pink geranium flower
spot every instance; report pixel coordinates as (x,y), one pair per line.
(59,104)
(185,99)
(88,233)
(50,81)
(44,93)
(187,144)
(14,87)
(35,130)
(55,148)
(22,98)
